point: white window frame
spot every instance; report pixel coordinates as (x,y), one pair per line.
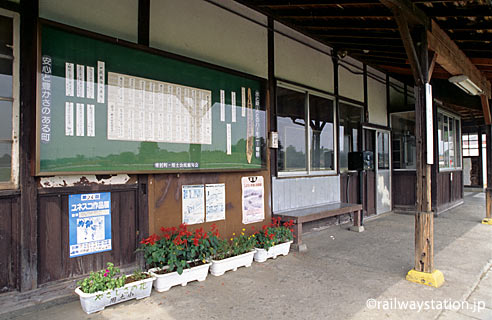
(359,147)
(391,125)
(309,172)
(14,171)
(459,143)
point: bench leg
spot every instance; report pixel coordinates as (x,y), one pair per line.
(298,245)
(356,217)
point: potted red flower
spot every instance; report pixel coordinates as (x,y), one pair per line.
(179,255)
(274,240)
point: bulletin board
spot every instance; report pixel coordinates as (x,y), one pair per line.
(108,107)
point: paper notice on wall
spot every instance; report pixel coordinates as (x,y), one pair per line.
(228,135)
(233,106)
(215,202)
(193,204)
(69,118)
(243,102)
(253,199)
(91,121)
(222,105)
(90,82)
(341,137)
(80,120)
(80,81)
(69,79)
(101,79)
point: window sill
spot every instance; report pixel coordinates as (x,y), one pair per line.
(304,174)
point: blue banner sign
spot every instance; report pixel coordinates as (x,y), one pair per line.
(89,223)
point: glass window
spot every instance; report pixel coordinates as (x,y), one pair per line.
(291,114)
(449,141)
(6,98)
(470,145)
(321,133)
(404,147)
(298,142)
(350,123)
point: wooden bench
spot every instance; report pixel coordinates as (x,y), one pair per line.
(319,212)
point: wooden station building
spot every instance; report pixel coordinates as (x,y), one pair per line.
(226,112)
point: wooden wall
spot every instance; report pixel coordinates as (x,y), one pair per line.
(165,208)
(404,190)
(54,261)
(9,242)
(449,189)
(350,179)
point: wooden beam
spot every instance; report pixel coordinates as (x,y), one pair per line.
(486,110)
(488,192)
(414,14)
(432,65)
(453,60)
(406,37)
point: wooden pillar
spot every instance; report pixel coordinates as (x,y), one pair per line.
(488,190)
(28,215)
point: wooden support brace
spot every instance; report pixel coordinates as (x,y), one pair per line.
(486,110)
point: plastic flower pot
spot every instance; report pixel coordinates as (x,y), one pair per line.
(219,267)
(93,302)
(262,255)
(165,281)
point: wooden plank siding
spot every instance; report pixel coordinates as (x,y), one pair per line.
(404,192)
(9,243)
(352,179)
(54,261)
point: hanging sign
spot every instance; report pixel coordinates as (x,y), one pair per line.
(89,223)
(253,199)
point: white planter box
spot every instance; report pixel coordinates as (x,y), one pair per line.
(164,282)
(93,302)
(219,267)
(262,255)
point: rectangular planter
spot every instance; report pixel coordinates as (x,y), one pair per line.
(262,255)
(93,302)
(164,282)
(219,267)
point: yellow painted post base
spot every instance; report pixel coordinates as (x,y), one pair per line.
(487,221)
(434,279)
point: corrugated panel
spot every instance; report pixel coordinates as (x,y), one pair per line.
(293,193)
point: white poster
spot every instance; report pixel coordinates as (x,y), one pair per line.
(233,108)
(91,119)
(193,204)
(243,102)
(101,81)
(90,82)
(80,81)
(69,118)
(228,136)
(69,79)
(222,105)
(253,199)
(215,199)
(79,129)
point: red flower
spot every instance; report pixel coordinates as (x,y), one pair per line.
(195,242)
(253,228)
(213,226)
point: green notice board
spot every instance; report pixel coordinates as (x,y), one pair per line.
(108,108)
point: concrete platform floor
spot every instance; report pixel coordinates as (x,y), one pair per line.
(336,277)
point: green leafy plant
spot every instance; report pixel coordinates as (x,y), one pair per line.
(178,248)
(138,275)
(235,246)
(275,233)
(102,280)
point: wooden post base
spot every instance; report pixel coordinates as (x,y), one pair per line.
(434,279)
(487,221)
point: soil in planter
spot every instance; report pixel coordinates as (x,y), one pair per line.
(131,278)
(191,265)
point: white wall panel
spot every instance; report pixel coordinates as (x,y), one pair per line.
(300,63)
(115,18)
(293,193)
(201,30)
(351,83)
(376,95)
